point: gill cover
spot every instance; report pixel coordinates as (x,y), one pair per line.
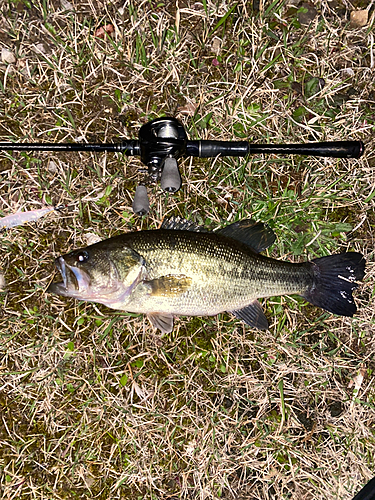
(98,274)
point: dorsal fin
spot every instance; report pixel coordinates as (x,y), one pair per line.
(254,234)
(180,224)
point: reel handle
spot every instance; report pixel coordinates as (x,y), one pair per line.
(141,204)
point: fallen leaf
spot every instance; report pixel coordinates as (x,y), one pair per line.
(216,45)
(89,480)
(357,381)
(52,167)
(7,56)
(2,283)
(66,5)
(40,48)
(297,87)
(306,13)
(358,18)
(92,238)
(104,31)
(21,64)
(189,109)
(141,392)
(348,71)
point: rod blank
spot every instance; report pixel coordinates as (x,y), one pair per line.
(130,148)
(206,149)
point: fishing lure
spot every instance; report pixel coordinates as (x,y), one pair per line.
(20,218)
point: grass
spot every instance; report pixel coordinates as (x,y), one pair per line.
(93,402)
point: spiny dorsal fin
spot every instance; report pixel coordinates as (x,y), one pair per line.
(254,234)
(180,224)
(252,315)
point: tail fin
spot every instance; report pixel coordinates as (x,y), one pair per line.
(334,279)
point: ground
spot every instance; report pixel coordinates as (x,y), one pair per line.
(94,403)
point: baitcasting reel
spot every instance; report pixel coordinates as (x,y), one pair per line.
(162,141)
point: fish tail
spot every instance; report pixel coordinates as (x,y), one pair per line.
(334,279)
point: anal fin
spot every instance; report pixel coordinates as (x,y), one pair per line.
(252,315)
(162,321)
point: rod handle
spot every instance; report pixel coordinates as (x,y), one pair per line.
(209,149)
(338,149)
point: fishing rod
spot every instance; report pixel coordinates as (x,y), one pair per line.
(367,492)
(162,141)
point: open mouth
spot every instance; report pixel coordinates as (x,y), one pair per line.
(105,288)
(75,280)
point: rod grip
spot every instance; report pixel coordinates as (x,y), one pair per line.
(209,149)
(338,149)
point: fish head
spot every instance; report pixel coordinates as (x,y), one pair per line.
(99,274)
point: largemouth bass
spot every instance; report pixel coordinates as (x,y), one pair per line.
(181,269)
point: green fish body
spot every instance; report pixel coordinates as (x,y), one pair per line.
(182,270)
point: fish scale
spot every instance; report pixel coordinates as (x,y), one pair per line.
(170,272)
(226,274)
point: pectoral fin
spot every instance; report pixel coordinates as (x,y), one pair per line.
(169,286)
(252,315)
(162,321)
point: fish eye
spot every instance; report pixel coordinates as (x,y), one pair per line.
(82,257)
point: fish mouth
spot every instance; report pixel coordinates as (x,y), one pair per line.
(75,281)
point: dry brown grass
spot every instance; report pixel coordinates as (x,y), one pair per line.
(93,403)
